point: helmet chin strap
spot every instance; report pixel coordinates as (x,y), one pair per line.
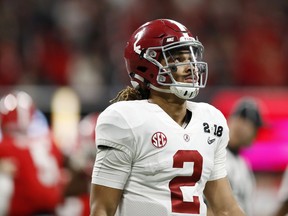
(181,92)
(184,92)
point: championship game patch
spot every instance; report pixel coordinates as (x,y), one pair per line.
(159,139)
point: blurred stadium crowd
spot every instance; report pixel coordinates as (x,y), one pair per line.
(79,43)
(50,44)
(71,42)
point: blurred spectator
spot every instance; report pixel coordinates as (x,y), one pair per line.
(79,166)
(28,158)
(244,123)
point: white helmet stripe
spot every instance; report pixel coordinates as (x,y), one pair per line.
(139,77)
(181,27)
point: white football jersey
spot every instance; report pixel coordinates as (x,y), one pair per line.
(161,166)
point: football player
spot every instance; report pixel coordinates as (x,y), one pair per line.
(35,161)
(157,151)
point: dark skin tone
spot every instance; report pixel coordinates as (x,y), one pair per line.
(173,106)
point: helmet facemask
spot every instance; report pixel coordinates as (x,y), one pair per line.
(169,61)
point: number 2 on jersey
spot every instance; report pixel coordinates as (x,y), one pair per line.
(178,204)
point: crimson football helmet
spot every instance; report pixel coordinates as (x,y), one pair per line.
(16,111)
(151,58)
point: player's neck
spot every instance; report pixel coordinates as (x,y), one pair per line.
(176,109)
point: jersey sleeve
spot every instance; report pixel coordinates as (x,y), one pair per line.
(114,142)
(113,130)
(219,170)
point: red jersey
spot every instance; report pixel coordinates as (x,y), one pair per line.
(74,205)
(38,177)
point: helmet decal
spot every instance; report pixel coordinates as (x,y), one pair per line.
(137,47)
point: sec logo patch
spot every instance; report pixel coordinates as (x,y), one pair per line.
(159,139)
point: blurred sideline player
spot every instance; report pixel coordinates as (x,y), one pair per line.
(80,164)
(31,157)
(244,123)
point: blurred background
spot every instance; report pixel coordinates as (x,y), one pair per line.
(68,55)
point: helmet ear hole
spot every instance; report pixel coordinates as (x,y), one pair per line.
(142,69)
